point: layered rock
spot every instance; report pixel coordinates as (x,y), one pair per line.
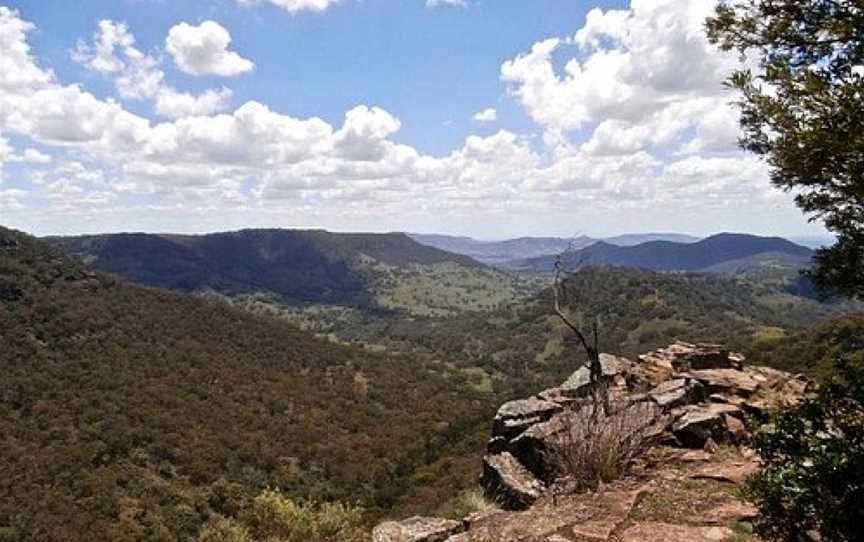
(705,392)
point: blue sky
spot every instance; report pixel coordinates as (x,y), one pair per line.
(484,117)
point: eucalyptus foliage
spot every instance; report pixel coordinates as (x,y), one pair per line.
(802,109)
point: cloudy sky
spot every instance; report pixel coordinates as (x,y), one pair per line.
(490,118)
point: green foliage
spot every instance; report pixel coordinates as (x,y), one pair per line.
(224,530)
(812,484)
(467,502)
(135,414)
(272,515)
(804,111)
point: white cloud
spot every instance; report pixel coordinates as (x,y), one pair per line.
(137,75)
(487,115)
(173,104)
(648,158)
(647,72)
(203,50)
(293,6)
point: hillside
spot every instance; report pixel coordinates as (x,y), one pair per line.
(301,266)
(133,413)
(496,252)
(737,250)
(508,250)
(522,346)
(630,239)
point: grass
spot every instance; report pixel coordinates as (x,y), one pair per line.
(741,532)
(469,501)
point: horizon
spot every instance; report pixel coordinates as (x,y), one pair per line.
(422,115)
(798,239)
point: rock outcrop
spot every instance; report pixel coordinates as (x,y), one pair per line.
(703,393)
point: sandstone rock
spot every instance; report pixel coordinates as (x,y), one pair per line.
(697,424)
(724,381)
(674,393)
(666,532)
(417,529)
(515,417)
(733,473)
(530,447)
(727,513)
(736,429)
(508,482)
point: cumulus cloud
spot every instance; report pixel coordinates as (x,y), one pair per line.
(649,156)
(138,76)
(647,72)
(203,50)
(487,115)
(293,6)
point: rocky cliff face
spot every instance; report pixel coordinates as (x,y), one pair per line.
(699,396)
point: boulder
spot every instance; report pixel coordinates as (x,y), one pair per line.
(679,357)
(530,448)
(514,417)
(725,381)
(697,424)
(675,393)
(508,482)
(417,529)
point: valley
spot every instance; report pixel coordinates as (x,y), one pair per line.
(353,367)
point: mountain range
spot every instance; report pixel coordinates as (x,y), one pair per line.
(500,252)
(300,266)
(722,252)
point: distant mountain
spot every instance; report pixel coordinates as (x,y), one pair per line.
(501,252)
(496,252)
(631,239)
(132,413)
(296,266)
(705,255)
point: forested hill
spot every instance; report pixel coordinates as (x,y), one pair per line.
(134,414)
(671,256)
(300,265)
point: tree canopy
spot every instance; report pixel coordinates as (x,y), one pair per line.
(802,108)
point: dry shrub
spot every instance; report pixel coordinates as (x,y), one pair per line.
(601,440)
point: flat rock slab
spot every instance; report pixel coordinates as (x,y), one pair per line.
(514,417)
(733,473)
(584,518)
(725,380)
(726,513)
(667,532)
(417,529)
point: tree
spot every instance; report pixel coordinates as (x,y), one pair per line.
(558,292)
(811,485)
(803,110)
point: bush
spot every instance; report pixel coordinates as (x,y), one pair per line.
(812,484)
(224,530)
(273,515)
(601,442)
(467,502)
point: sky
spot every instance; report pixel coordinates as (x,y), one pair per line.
(489,118)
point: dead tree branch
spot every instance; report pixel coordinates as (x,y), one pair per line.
(559,291)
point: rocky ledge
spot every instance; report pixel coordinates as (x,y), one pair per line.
(702,395)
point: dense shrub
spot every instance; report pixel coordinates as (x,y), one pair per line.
(272,515)
(812,484)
